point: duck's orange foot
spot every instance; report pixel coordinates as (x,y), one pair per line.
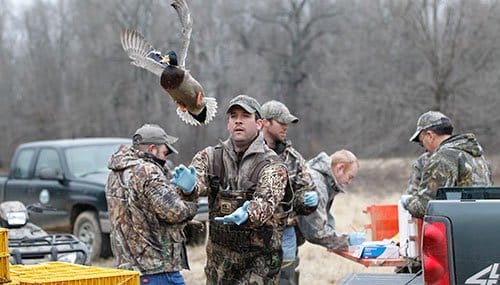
(181,107)
(199,98)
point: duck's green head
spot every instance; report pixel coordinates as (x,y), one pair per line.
(170,58)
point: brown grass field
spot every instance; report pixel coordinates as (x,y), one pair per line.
(379,181)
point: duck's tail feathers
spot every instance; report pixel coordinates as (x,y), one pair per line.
(204,117)
(211,105)
(187,118)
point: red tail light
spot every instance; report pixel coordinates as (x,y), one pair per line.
(435,254)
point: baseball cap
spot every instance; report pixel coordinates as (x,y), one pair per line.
(246,102)
(279,112)
(154,134)
(427,120)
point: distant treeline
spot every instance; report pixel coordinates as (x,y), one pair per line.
(356,73)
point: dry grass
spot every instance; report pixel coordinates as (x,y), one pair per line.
(380,181)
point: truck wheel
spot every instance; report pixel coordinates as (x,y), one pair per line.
(87,230)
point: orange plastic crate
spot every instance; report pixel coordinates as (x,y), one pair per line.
(4,241)
(384,221)
(60,273)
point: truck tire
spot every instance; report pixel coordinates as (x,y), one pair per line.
(87,230)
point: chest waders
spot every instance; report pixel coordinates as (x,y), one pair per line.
(224,201)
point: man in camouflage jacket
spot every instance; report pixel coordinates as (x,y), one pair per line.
(244,244)
(277,118)
(416,173)
(330,174)
(456,160)
(148,213)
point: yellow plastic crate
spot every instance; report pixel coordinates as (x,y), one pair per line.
(52,273)
(13,279)
(4,241)
(4,268)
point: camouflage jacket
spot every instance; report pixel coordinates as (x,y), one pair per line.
(270,188)
(147,214)
(458,161)
(416,173)
(319,227)
(298,178)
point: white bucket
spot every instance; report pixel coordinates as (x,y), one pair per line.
(407,233)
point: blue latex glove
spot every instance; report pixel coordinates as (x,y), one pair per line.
(357,238)
(404,201)
(311,199)
(184,178)
(238,217)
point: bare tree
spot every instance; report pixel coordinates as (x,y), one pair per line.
(299,23)
(357,73)
(453,39)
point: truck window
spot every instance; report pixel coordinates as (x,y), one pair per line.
(22,165)
(87,160)
(48,158)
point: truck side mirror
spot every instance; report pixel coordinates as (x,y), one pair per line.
(50,174)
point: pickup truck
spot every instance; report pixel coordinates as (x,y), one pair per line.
(67,178)
(459,241)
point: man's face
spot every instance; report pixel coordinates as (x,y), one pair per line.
(427,139)
(242,125)
(345,172)
(275,130)
(160,151)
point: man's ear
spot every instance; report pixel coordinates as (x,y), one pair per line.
(260,123)
(266,122)
(151,147)
(432,135)
(338,169)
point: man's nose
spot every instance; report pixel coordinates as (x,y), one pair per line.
(238,119)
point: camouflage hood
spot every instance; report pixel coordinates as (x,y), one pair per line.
(322,164)
(464,142)
(126,157)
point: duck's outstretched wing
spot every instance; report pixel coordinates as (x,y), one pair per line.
(141,51)
(182,10)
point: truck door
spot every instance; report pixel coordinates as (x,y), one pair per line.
(50,192)
(19,183)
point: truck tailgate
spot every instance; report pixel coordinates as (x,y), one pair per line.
(474,236)
(381,279)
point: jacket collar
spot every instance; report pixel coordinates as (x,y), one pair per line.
(257,146)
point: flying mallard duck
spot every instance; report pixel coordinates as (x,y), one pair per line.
(193,107)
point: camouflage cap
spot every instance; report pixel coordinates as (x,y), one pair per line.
(246,102)
(154,134)
(427,120)
(279,112)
